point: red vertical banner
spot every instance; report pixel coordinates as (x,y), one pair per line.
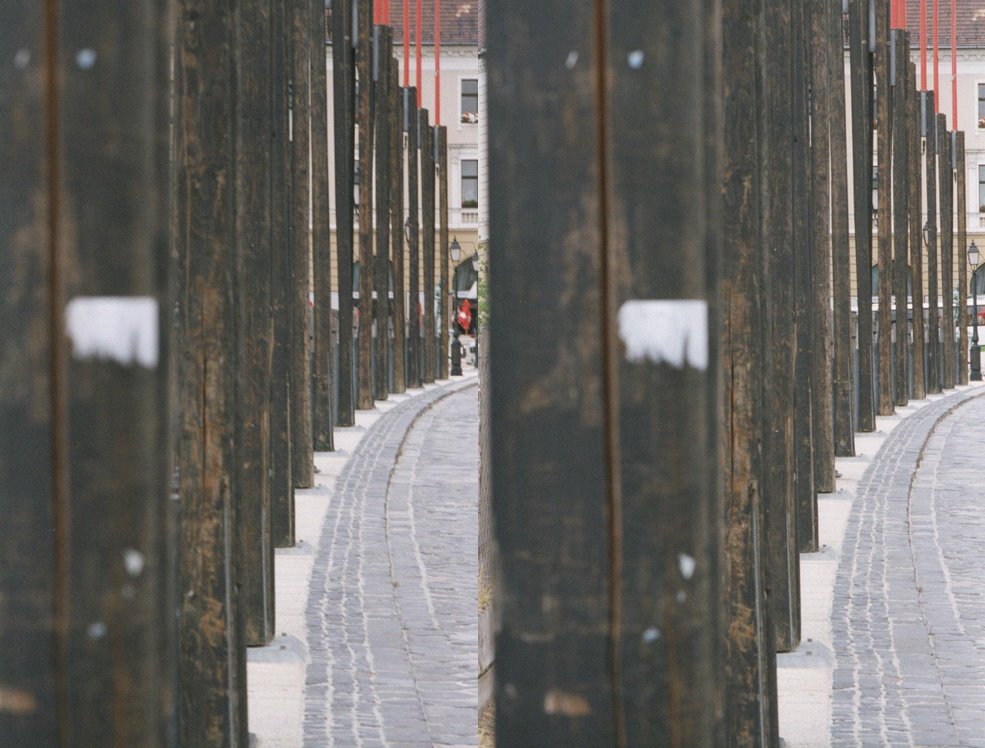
(418,25)
(923,45)
(437,63)
(406,30)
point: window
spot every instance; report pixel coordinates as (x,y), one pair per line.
(470,183)
(470,99)
(981,106)
(981,188)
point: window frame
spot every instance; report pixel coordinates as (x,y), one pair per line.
(461,95)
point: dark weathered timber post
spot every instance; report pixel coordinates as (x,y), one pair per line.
(427,239)
(933,289)
(281,479)
(617,656)
(750,706)
(414,372)
(962,259)
(945,177)
(553,680)
(804,490)
(383,51)
(821,385)
(398,159)
(842,415)
(212,687)
(83,421)
(364,121)
(778,504)
(299,362)
(884,158)
(444,302)
(323,417)
(34,500)
(901,226)
(254,331)
(862,116)
(916,239)
(343,100)
(713,174)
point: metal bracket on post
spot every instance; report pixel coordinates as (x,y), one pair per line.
(923,114)
(872,26)
(954,149)
(376,54)
(892,57)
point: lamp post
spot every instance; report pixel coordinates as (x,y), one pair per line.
(976,353)
(455,252)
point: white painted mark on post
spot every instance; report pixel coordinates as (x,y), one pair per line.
(86,58)
(22,59)
(672,332)
(572,60)
(687,565)
(123,329)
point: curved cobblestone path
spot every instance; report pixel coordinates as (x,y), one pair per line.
(909,609)
(392,608)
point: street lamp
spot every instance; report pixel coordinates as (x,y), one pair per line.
(976,353)
(455,252)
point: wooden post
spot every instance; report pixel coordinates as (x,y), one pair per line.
(212,687)
(34,581)
(427,239)
(962,260)
(750,707)
(399,158)
(444,303)
(821,385)
(804,489)
(83,421)
(778,505)
(934,380)
(916,242)
(364,120)
(901,224)
(281,479)
(323,417)
(299,362)
(344,82)
(383,51)
(411,118)
(945,176)
(884,158)
(254,332)
(843,406)
(862,116)
(571,671)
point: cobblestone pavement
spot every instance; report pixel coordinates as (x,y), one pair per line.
(909,607)
(392,609)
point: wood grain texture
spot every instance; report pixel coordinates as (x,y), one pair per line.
(961,259)
(344,89)
(255,332)
(884,158)
(31,664)
(862,116)
(901,225)
(364,123)
(750,706)
(553,680)
(427,241)
(299,361)
(212,688)
(915,173)
(843,422)
(444,296)
(323,416)
(398,240)
(411,121)
(934,362)
(822,353)
(945,182)
(381,273)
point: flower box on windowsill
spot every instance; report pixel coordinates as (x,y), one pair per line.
(470,118)
(470,203)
